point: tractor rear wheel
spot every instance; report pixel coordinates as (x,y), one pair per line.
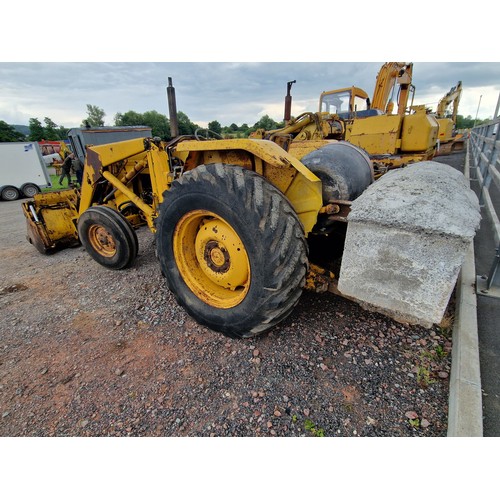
(108,237)
(232,249)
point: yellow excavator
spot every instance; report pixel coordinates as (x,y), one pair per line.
(390,139)
(449,140)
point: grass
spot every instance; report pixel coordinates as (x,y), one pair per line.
(54,180)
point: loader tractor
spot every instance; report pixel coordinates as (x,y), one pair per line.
(235,220)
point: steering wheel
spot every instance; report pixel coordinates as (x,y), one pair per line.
(205,134)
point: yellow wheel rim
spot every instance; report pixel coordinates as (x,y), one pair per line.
(211,259)
(101,240)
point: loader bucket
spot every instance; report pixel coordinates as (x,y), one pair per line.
(51,220)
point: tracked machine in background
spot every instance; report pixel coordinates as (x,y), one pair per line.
(449,139)
(391,139)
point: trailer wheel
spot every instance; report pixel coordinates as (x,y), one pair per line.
(108,237)
(9,193)
(232,249)
(29,190)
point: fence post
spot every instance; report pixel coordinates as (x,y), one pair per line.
(490,284)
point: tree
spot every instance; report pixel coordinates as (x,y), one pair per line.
(215,126)
(50,131)
(186,126)
(95,117)
(37,132)
(129,119)
(9,134)
(266,123)
(62,132)
(158,122)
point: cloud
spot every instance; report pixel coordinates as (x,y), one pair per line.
(229,92)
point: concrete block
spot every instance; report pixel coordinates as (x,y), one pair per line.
(407,237)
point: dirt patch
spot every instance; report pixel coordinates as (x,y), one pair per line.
(85,351)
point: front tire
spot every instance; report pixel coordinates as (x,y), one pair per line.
(232,249)
(108,237)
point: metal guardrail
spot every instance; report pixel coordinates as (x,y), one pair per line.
(484,148)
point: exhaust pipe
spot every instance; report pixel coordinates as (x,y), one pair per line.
(172,109)
(288,101)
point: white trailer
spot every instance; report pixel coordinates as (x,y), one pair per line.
(22,170)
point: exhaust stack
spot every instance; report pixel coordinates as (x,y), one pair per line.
(172,109)
(288,101)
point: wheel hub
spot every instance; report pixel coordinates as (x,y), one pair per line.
(101,240)
(217,257)
(211,259)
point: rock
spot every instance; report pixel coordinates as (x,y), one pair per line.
(412,415)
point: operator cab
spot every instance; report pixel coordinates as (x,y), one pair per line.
(347,103)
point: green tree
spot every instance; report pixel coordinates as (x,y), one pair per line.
(95,117)
(9,134)
(159,123)
(37,132)
(186,126)
(267,123)
(129,119)
(215,126)
(50,131)
(62,133)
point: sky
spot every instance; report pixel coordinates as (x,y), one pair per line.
(229,92)
(233,65)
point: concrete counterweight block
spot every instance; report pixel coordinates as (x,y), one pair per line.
(407,237)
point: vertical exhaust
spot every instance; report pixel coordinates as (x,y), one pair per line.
(288,101)
(172,109)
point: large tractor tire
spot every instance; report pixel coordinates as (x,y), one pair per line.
(108,237)
(232,249)
(344,169)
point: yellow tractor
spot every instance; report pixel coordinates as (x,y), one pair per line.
(390,139)
(231,219)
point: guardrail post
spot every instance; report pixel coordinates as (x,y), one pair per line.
(490,285)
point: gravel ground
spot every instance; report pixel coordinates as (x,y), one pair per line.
(85,351)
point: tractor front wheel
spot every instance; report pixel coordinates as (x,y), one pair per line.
(108,237)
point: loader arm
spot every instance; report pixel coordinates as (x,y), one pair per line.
(99,158)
